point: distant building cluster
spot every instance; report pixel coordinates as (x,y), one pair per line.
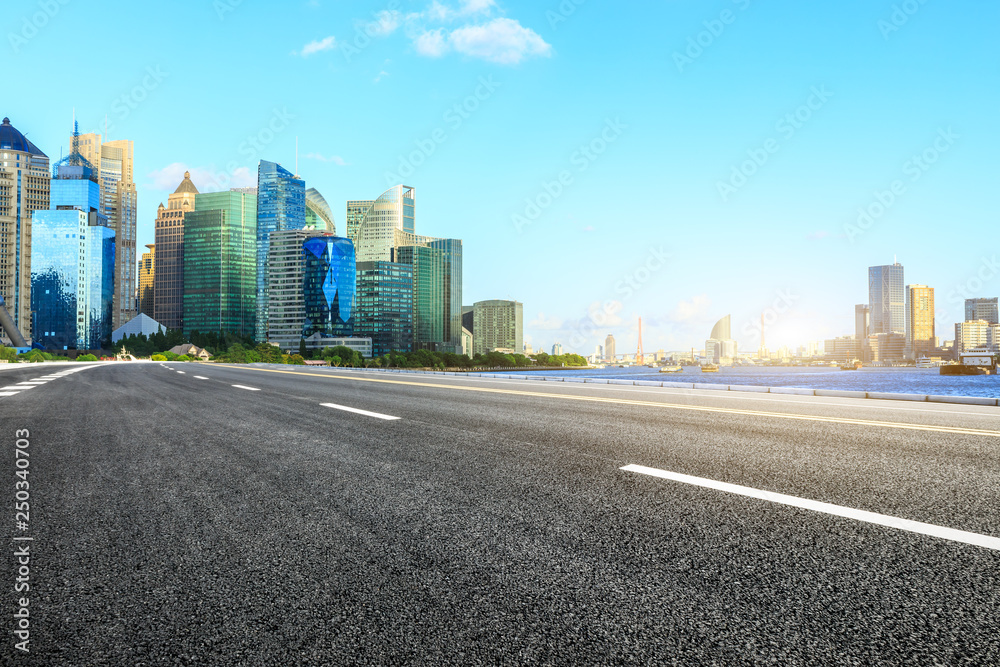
(262,262)
(898,324)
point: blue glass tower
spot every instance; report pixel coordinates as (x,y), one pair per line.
(328,286)
(72,267)
(281,205)
(385,306)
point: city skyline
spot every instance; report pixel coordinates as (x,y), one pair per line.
(824,201)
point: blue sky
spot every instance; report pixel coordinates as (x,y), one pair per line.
(677,160)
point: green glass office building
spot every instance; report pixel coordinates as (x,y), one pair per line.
(220,263)
(437,290)
(384,306)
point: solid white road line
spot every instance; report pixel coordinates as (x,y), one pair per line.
(826,508)
(239,386)
(199,377)
(360,412)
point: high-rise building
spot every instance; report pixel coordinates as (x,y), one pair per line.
(557,349)
(114,166)
(356,210)
(981,309)
(286,310)
(919,321)
(24,189)
(384,306)
(437,290)
(971,335)
(609,348)
(74,263)
(720,348)
(147,274)
(862,328)
(499,326)
(886,299)
(168,281)
(330,279)
(220,261)
(318,213)
(281,204)
(375,235)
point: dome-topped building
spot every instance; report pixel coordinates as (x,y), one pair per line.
(11,139)
(24,189)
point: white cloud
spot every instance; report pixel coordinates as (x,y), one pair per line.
(696,308)
(503,41)
(432,43)
(335,159)
(466,8)
(386,22)
(206,179)
(318,46)
(545,323)
(381,75)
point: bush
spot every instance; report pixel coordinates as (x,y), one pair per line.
(159,357)
(297,360)
(183,357)
(7,353)
(86,357)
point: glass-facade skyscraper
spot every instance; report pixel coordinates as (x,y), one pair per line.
(384,306)
(437,290)
(220,262)
(920,330)
(499,325)
(375,235)
(113,164)
(319,215)
(281,204)
(981,309)
(328,288)
(886,299)
(286,307)
(73,268)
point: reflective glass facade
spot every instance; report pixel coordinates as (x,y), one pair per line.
(281,204)
(72,281)
(384,306)
(318,213)
(886,299)
(437,290)
(220,264)
(328,287)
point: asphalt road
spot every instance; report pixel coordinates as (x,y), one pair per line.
(178,518)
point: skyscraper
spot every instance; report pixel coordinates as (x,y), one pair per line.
(862,328)
(919,321)
(147,274)
(286,310)
(375,235)
(328,287)
(384,312)
(499,325)
(886,299)
(318,213)
(356,210)
(609,348)
(220,261)
(981,309)
(113,164)
(437,290)
(168,281)
(281,204)
(72,275)
(24,189)
(720,348)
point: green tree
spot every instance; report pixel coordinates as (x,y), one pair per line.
(302,347)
